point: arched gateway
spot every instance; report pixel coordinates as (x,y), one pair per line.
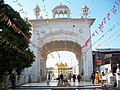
(61,33)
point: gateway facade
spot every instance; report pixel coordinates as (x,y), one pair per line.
(60,33)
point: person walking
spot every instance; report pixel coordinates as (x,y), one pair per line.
(96,77)
(92,78)
(114,80)
(74,78)
(29,78)
(103,79)
(61,77)
(13,80)
(48,80)
(70,76)
(79,78)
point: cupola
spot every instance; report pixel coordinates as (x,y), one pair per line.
(84,11)
(61,9)
(37,11)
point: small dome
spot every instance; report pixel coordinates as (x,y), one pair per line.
(61,9)
(56,64)
(61,64)
(66,65)
(85,11)
(84,6)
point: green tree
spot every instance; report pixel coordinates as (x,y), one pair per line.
(14,41)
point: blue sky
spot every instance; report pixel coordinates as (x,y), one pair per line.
(109,38)
(98,9)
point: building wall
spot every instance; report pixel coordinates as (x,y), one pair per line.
(107,57)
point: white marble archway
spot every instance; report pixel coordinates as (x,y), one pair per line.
(61,34)
(61,46)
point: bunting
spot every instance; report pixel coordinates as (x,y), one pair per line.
(100,28)
(114,34)
(107,32)
(21,7)
(12,25)
(42,52)
(97,31)
(11,45)
(15,0)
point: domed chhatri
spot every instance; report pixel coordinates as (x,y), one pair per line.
(84,11)
(37,11)
(61,9)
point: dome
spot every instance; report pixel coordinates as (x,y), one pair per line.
(66,65)
(56,64)
(84,7)
(61,9)
(61,64)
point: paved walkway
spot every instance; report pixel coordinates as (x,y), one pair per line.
(53,85)
(55,82)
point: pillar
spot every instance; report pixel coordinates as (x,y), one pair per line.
(88,64)
(118,78)
(43,70)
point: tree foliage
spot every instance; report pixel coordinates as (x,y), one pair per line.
(14,41)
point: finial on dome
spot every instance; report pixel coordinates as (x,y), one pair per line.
(37,11)
(84,11)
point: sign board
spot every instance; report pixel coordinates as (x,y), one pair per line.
(99,62)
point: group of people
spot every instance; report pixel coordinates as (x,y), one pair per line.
(95,78)
(78,77)
(70,76)
(102,78)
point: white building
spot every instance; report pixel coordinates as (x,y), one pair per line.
(61,33)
